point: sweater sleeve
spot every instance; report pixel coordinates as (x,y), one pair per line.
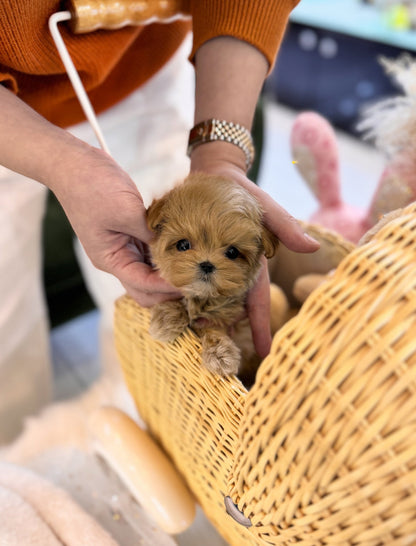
(261,23)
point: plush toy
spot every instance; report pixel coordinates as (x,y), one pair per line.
(279,308)
(391,125)
(315,151)
(306,284)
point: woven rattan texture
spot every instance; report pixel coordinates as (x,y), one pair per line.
(194,415)
(328,441)
(322,448)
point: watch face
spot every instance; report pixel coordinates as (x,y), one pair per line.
(201,131)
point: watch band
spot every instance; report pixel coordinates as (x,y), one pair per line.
(213,129)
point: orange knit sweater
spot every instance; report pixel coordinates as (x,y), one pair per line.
(114,63)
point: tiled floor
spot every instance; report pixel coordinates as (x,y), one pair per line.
(75,344)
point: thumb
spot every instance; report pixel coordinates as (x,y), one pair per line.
(287,228)
(132,220)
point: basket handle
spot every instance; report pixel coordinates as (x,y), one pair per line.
(90,15)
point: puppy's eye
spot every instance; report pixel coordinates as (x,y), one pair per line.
(232,253)
(183,245)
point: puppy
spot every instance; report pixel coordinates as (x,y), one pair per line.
(209,237)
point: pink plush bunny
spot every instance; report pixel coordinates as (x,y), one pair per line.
(315,151)
(391,124)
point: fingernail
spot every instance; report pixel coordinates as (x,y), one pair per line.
(311,239)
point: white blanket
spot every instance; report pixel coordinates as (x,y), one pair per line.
(34,512)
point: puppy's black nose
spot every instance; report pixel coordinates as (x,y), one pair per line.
(207,267)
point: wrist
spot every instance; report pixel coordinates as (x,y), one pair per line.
(214,130)
(217,156)
(72,160)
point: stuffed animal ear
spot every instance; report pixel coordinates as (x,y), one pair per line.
(270,243)
(154,214)
(315,153)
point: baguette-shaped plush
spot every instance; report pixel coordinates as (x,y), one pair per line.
(90,15)
(143,468)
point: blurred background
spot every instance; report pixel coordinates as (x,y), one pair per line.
(328,61)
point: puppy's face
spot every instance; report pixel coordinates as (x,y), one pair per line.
(209,237)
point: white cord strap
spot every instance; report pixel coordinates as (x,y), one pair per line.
(73,75)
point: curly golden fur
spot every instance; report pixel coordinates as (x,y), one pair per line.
(209,237)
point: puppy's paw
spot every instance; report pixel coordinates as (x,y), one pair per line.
(168,320)
(220,354)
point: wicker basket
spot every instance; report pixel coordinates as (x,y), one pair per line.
(322,449)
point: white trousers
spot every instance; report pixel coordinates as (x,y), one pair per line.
(146,135)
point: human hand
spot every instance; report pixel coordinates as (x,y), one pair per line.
(227,160)
(107,213)
(101,201)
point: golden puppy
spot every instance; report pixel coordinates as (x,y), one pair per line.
(209,238)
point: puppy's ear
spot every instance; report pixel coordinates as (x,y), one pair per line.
(154,215)
(270,242)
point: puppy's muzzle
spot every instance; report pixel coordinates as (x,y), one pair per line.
(207,267)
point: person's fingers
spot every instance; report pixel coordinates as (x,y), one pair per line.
(145,284)
(289,231)
(277,219)
(142,282)
(258,309)
(149,299)
(283,224)
(133,220)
